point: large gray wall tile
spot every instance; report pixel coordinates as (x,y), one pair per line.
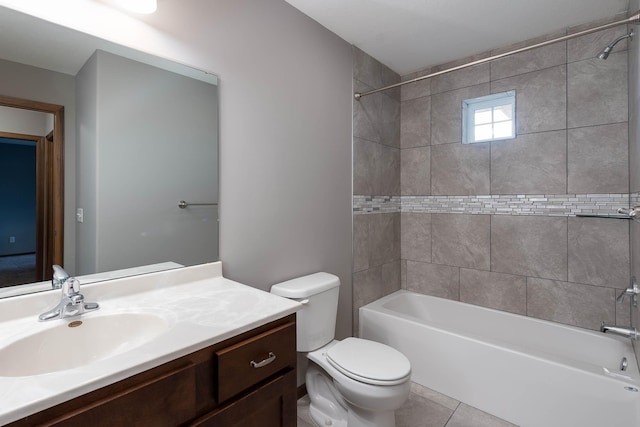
(531,164)
(403,274)
(505,292)
(367,287)
(598,159)
(540,99)
(391,275)
(376,117)
(465,77)
(446,113)
(635,268)
(432,279)
(590,45)
(415,171)
(599,252)
(570,303)
(532,60)
(376,169)
(634,122)
(384,238)
(460,169)
(597,91)
(417,89)
(461,240)
(416,236)
(364,163)
(529,246)
(415,122)
(387,171)
(623,311)
(373,73)
(360,242)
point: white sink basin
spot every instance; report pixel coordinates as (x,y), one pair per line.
(68,345)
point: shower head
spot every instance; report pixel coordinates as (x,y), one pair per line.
(604,53)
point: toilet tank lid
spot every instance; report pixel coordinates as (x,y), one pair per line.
(306,286)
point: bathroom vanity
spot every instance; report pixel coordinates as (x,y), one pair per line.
(224,356)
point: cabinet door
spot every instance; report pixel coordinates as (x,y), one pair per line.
(271,405)
(239,367)
(166,400)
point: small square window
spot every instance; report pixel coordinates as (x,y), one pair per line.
(489,118)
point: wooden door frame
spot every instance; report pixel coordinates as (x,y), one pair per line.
(57,211)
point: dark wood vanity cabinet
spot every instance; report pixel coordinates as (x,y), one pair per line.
(248,380)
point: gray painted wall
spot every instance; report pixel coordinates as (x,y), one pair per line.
(285,110)
(155,143)
(87,156)
(285,132)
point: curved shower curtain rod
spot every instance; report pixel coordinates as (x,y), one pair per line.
(633,19)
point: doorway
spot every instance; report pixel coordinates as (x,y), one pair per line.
(49,195)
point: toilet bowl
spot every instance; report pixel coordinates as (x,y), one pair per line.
(353,382)
(368,387)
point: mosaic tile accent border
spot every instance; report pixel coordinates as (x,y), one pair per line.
(520,204)
(376,204)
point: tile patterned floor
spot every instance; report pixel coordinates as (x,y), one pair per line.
(425,408)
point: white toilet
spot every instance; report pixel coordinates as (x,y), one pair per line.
(353,382)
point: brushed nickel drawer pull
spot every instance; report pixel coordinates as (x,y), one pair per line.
(265,362)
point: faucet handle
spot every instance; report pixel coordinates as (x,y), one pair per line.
(632,291)
(631,212)
(71,286)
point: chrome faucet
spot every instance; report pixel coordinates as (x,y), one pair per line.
(72,301)
(59,277)
(620,330)
(632,291)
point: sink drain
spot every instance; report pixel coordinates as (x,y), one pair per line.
(75,323)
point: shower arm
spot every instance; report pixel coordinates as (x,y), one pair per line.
(604,53)
(633,19)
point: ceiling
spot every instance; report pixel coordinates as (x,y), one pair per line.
(410,35)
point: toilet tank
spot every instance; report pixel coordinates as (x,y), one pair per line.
(316,321)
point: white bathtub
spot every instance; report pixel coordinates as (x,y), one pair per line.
(527,371)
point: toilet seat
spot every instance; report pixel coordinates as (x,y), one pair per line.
(369,362)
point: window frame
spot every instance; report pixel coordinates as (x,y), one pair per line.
(470,106)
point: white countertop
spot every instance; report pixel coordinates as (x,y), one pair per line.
(203,308)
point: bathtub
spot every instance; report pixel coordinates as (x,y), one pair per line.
(527,371)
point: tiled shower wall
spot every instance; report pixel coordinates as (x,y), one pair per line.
(634,162)
(376,170)
(493,224)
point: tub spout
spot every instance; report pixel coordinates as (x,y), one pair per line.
(620,330)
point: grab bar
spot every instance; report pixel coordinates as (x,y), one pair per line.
(182,204)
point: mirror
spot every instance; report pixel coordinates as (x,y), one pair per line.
(140,136)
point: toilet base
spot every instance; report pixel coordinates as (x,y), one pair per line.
(354,419)
(324,420)
(328,408)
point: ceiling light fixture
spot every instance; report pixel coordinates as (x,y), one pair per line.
(138,6)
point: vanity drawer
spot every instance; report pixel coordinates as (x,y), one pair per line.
(248,362)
